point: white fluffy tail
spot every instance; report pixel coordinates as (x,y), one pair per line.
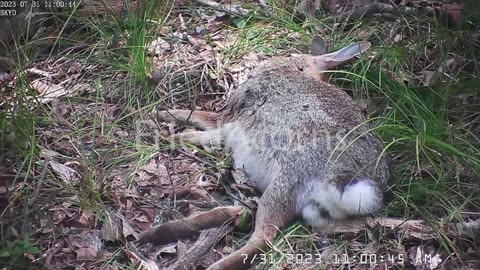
(324,204)
(361,197)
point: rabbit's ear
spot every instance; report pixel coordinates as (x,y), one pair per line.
(347,53)
(318,46)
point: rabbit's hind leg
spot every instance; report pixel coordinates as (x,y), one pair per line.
(274,213)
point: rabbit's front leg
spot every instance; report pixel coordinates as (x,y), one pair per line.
(202,119)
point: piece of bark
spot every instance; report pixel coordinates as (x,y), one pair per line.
(417,229)
(206,240)
(228,8)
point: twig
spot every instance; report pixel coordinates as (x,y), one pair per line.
(144,262)
(206,240)
(232,9)
(413,229)
(39,182)
(36,192)
(194,157)
(53,251)
(201,204)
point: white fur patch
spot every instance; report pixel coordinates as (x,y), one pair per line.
(245,157)
(311,215)
(321,197)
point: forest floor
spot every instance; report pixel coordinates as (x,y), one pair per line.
(84,168)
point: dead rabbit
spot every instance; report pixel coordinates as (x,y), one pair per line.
(303,142)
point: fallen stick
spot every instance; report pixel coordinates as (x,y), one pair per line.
(206,240)
(230,8)
(411,228)
(140,261)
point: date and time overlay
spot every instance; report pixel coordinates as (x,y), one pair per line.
(10,8)
(337,259)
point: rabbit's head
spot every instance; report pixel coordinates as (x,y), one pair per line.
(316,62)
(319,61)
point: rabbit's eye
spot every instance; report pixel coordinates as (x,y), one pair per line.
(300,68)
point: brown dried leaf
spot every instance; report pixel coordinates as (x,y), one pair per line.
(109,112)
(83,220)
(60,214)
(428,77)
(154,168)
(153,174)
(81,88)
(144,179)
(47,153)
(66,173)
(142,217)
(45,225)
(150,212)
(158,47)
(87,245)
(58,108)
(47,92)
(199,44)
(128,230)
(111,227)
(143,226)
(168,249)
(86,253)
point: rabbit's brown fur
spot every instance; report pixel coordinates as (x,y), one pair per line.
(288,132)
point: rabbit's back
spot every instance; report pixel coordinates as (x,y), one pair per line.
(297,125)
(292,101)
